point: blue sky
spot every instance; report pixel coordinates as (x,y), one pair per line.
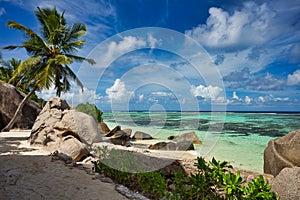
(250,52)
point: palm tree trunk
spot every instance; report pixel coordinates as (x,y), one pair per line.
(18,111)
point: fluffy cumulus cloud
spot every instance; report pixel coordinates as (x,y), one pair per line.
(248,100)
(141,98)
(214,93)
(252,100)
(75,96)
(245,27)
(162,94)
(294,79)
(115,49)
(128,43)
(118,91)
(235,96)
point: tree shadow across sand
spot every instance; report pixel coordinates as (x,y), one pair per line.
(11,145)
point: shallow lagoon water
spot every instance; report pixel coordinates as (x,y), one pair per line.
(239,138)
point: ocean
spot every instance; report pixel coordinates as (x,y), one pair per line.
(237,137)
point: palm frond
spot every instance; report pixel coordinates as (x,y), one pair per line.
(16,25)
(73,76)
(80,59)
(76,31)
(25,67)
(60,60)
(44,79)
(72,46)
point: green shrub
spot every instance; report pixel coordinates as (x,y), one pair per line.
(213,180)
(90,109)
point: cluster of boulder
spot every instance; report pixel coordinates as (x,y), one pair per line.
(61,127)
(123,137)
(282,160)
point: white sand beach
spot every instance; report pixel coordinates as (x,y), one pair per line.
(27,172)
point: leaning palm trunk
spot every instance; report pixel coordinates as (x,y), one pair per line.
(18,111)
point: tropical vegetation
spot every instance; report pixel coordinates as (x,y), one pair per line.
(212,180)
(50,55)
(90,109)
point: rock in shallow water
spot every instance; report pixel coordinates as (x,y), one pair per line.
(188,137)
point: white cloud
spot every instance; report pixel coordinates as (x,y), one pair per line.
(214,93)
(248,100)
(2,11)
(245,27)
(141,98)
(74,96)
(261,99)
(118,91)
(162,94)
(235,96)
(128,43)
(294,79)
(152,41)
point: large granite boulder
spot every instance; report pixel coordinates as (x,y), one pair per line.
(287,184)
(10,98)
(62,128)
(69,143)
(282,152)
(103,127)
(120,137)
(188,137)
(172,146)
(58,115)
(139,135)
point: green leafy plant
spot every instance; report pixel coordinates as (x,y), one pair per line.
(153,183)
(233,186)
(213,180)
(90,109)
(259,188)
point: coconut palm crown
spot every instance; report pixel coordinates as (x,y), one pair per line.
(51,53)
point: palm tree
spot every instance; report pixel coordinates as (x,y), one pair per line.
(51,54)
(6,71)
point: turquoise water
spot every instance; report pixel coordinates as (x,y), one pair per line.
(239,138)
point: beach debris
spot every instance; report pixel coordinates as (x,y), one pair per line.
(56,155)
(129,194)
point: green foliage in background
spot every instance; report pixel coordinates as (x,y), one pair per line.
(90,109)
